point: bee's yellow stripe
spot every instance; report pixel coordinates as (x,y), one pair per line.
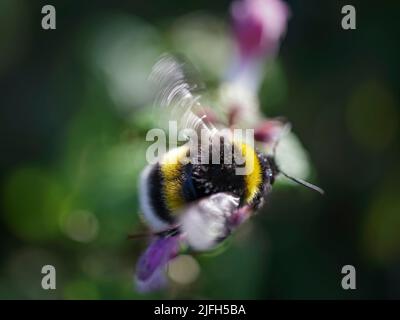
(171,171)
(253,177)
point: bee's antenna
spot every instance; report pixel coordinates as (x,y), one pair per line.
(303,183)
(286,129)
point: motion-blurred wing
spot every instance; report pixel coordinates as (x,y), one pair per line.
(205,223)
(177,87)
(150,270)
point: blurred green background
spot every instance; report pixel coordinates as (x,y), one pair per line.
(73,121)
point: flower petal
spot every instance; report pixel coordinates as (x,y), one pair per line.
(150,270)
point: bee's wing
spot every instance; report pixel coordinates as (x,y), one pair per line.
(150,269)
(177,90)
(208,221)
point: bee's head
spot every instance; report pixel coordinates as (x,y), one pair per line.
(269,167)
(272,170)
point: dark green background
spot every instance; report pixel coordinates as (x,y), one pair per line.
(65,149)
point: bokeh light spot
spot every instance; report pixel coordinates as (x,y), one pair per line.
(125,49)
(80,225)
(184,269)
(381,236)
(205,40)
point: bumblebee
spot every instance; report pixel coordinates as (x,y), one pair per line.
(170,185)
(187,196)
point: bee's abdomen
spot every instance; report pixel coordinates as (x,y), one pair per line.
(152,199)
(161,190)
(156,182)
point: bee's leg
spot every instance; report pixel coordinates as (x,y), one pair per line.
(238,217)
(169,233)
(173,231)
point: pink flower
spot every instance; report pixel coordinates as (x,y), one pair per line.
(239,216)
(259,25)
(269,131)
(150,270)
